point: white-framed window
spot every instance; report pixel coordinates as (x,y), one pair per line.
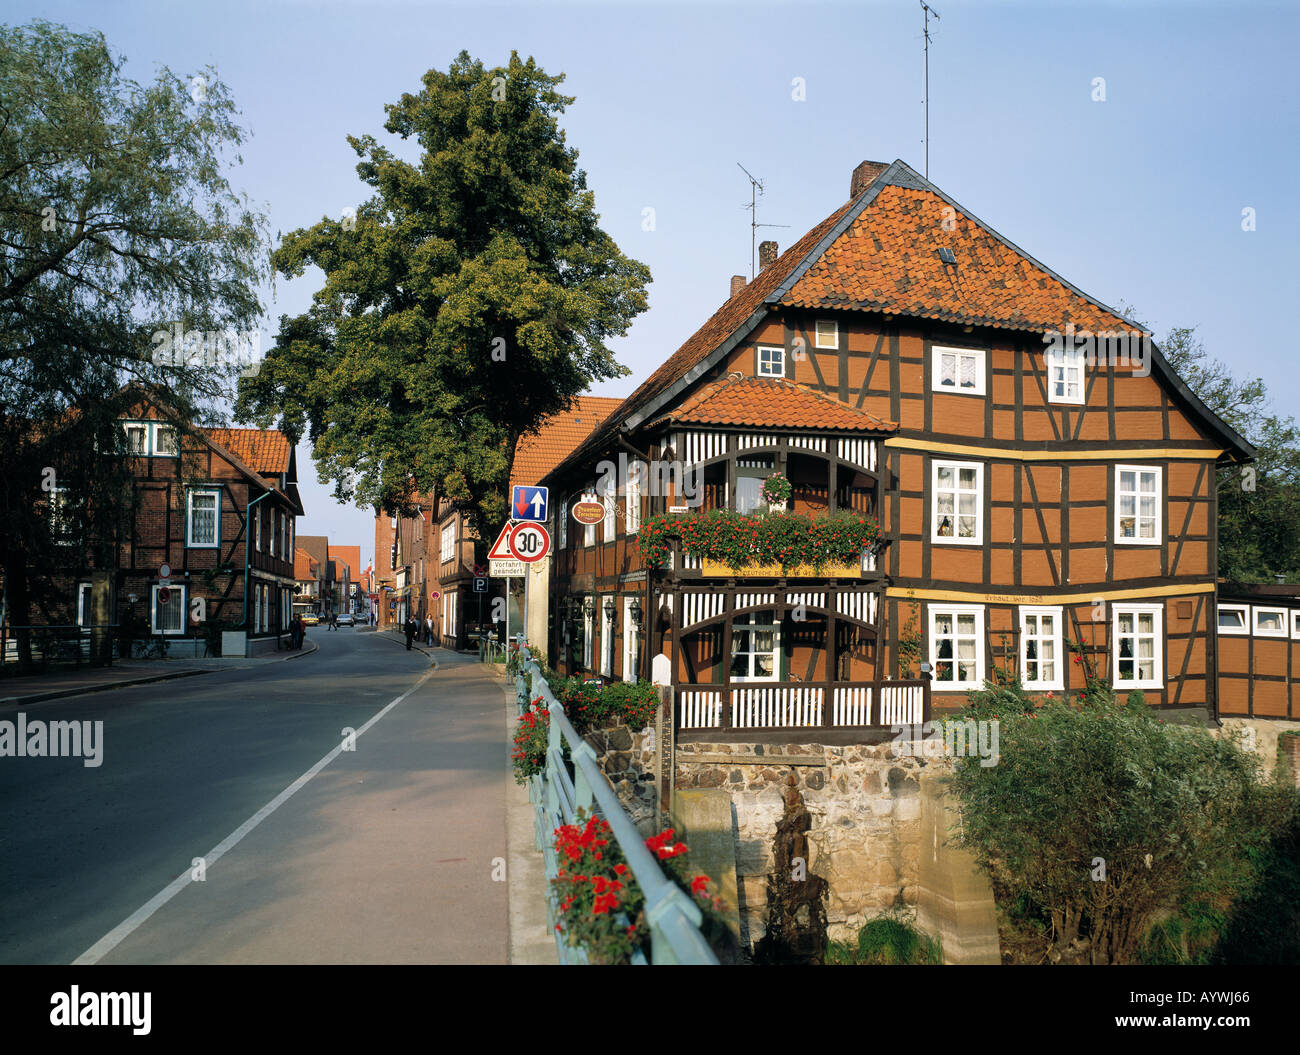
(828,333)
(1295,624)
(755,647)
(1137,631)
(276,527)
(957,503)
(957,645)
(611,509)
(168,618)
(164,441)
(137,437)
(61,520)
(632,519)
(257,529)
(448,548)
(588,631)
(449,613)
(608,636)
(631,642)
(958,370)
(562,526)
(1065,375)
(1234,619)
(1041,653)
(771,361)
(1137,505)
(85,612)
(1269,622)
(203,519)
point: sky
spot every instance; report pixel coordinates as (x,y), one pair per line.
(1132,187)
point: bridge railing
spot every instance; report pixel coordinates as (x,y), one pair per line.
(673,919)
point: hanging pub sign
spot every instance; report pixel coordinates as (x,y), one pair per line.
(589,510)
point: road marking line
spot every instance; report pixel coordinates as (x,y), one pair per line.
(123,930)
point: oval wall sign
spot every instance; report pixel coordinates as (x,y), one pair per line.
(588,512)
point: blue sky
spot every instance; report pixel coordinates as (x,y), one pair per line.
(1138,198)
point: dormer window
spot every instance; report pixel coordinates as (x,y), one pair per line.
(771,362)
(137,439)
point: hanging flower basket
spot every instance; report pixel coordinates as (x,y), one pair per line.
(777,490)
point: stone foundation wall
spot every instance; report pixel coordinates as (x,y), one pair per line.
(628,759)
(866,808)
(1262,737)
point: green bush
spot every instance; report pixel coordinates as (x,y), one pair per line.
(1097,818)
(999,700)
(888,939)
(588,704)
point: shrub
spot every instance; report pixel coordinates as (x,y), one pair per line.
(888,939)
(588,704)
(999,700)
(1097,818)
(532,736)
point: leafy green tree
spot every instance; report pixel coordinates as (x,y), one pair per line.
(1096,818)
(469,298)
(1259,505)
(118,225)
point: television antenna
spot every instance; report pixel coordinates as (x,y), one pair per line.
(755,189)
(926,12)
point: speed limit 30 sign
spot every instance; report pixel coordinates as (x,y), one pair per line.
(530,542)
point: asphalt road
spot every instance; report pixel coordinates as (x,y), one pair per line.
(386,854)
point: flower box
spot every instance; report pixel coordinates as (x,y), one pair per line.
(712,569)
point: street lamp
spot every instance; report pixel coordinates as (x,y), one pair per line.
(634,610)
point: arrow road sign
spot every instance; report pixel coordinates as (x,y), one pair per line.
(530,542)
(529,503)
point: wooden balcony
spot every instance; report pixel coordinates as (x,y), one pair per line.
(798,706)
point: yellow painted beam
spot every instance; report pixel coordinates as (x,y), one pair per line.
(1084,595)
(1098,454)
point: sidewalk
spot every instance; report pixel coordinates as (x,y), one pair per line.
(34,688)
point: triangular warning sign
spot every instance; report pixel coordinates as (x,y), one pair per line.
(501,547)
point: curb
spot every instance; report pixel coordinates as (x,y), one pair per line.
(400,641)
(58,694)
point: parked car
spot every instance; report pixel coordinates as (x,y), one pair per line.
(347,619)
(311,619)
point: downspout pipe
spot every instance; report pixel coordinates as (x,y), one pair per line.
(248,550)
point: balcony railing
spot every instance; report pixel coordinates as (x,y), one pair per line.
(797,705)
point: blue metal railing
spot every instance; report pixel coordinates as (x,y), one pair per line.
(673,919)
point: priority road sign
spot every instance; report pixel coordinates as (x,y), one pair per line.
(530,542)
(529,503)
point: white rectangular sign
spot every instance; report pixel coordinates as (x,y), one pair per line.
(504,569)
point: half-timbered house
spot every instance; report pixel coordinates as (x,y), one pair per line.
(1043,483)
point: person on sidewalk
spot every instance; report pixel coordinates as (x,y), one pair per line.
(428,630)
(410,631)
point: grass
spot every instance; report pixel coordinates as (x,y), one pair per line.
(888,939)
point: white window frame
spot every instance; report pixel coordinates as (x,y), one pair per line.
(750,679)
(774,368)
(608,635)
(932,635)
(630,640)
(1258,610)
(447,552)
(834,340)
(1295,624)
(213,492)
(1241,609)
(562,526)
(183,606)
(85,595)
(610,527)
(954,539)
(257,529)
(1057,639)
(155,447)
(1067,361)
(588,631)
(1158,650)
(1138,516)
(60,525)
(632,500)
(142,428)
(938,351)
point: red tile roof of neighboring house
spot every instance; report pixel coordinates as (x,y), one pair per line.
(304,567)
(775,402)
(265,451)
(350,555)
(539,453)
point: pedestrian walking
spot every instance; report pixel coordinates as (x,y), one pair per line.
(410,631)
(428,631)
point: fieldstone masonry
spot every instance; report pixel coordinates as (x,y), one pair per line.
(629,760)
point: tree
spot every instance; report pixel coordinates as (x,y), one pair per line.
(118,226)
(469,298)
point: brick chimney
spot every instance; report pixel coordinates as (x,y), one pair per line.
(737,284)
(863,175)
(766,255)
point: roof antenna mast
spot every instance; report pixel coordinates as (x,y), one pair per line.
(755,189)
(926,12)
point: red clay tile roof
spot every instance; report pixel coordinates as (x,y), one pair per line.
(350,555)
(774,402)
(304,567)
(560,434)
(265,451)
(888,261)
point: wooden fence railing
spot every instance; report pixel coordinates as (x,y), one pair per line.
(800,705)
(557,796)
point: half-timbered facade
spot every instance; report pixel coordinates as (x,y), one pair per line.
(1043,482)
